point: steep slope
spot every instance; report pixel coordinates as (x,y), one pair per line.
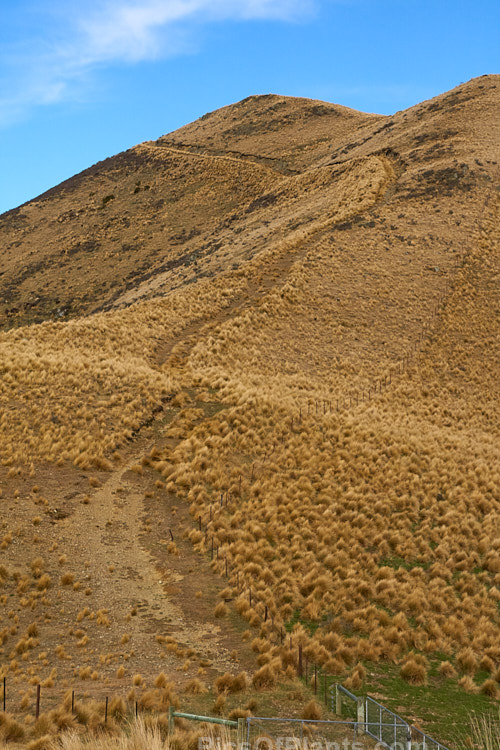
(167,213)
(294,411)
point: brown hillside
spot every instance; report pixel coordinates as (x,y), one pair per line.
(216,192)
(267,406)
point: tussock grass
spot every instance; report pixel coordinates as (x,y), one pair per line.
(359,520)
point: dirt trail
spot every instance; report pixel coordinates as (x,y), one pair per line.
(270,163)
(106,538)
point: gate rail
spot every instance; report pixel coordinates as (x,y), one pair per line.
(390,729)
(382,724)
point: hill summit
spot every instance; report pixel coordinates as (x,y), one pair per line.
(164,213)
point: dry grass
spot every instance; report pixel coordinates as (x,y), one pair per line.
(360,495)
(485,733)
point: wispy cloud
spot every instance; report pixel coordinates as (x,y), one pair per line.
(54,59)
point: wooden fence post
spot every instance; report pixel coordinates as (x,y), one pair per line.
(338,701)
(360,715)
(240,736)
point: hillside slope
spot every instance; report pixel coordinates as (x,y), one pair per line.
(216,192)
(284,421)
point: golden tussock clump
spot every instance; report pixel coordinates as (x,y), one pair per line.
(446,669)
(414,670)
(267,676)
(490,688)
(10,729)
(195,687)
(219,704)
(228,683)
(45,742)
(312,711)
(239,713)
(356,678)
(220,610)
(468,684)
(467,661)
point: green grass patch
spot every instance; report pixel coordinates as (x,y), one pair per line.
(442,709)
(310,625)
(399,562)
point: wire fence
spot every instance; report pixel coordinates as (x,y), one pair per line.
(264,733)
(425,742)
(386,727)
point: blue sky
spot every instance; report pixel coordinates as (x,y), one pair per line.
(80,81)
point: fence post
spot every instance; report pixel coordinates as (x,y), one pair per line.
(240,737)
(171,720)
(37,709)
(338,701)
(360,715)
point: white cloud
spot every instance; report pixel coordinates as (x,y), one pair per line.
(133,31)
(53,61)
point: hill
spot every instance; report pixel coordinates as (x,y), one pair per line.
(249,389)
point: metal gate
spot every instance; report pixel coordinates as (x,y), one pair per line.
(424,741)
(388,728)
(380,723)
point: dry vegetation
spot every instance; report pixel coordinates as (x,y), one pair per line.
(317,420)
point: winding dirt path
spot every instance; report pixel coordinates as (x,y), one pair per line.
(107,538)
